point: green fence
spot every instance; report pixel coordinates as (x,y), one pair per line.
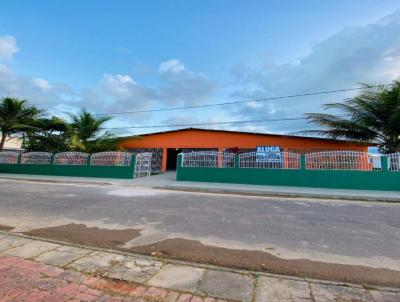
(336,179)
(85,170)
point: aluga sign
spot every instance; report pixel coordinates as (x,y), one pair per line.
(268,154)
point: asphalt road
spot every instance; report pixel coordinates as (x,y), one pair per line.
(345,232)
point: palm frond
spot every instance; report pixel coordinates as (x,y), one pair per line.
(372,116)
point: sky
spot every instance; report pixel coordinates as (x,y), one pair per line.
(124,56)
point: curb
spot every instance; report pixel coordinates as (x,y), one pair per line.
(64,181)
(277,194)
(217,190)
(165,261)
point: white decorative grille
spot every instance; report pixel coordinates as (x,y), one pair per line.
(208,159)
(71,158)
(143,165)
(283,160)
(36,158)
(7,157)
(340,160)
(394,161)
(111,158)
(156,159)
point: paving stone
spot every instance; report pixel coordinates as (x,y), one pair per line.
(97,262)
(17,285)
(9,242)
(332,293)
(155,292)
(134,269)
(184,298)
(172,296)
(383,296)
(62,256)
(277,290)
(178,277)
(227,285)
(32,249)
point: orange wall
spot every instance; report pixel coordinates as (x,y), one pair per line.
(221,140)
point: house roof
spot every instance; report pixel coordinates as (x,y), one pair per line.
(251,133)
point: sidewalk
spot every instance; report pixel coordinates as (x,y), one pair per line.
(167,182)
(37,270)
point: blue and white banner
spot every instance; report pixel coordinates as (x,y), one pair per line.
(268,154)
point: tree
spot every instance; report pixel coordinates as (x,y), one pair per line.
(15,117)
(49,134)
(371,117)
(88,135)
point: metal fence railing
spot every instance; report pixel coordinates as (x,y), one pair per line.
(67,158)
(324,160)
(71,158)
(341,160)
(143,164)
(36,158)
(111,158)
(394,161)
(8,157)
(208,159)
(278,160)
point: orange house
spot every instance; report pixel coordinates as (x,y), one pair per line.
(166,145)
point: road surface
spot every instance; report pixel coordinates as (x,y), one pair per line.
(333,239)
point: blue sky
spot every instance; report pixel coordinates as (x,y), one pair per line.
(132,55)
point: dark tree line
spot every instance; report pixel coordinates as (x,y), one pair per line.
(82,132)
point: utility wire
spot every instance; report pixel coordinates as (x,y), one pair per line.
(211,123)
(244,101)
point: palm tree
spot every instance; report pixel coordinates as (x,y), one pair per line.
(87,132)
(15,117)
(49,134)
(371,117)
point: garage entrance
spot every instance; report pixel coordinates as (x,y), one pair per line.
(172,157)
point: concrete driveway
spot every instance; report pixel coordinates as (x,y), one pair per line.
(337,240)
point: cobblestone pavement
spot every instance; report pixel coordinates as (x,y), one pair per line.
(35,270)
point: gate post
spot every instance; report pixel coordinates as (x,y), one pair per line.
(133,164)
(237,161)
(179,161)
(384,163)
(133,160)
(219,158)
(88,160)
(52,159)
(302,162)
(179,166)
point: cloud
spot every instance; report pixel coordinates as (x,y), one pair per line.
(41,83)
(354,55)
(181,85)
(180,120)
(174,84)
(3,69)
(119,86)
(119,93)
(171,66)
(8,47)
(37,90)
